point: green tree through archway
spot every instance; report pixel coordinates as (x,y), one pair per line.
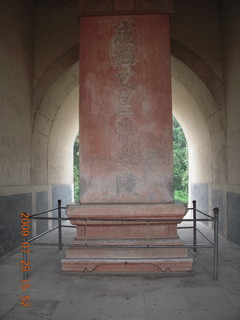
(180,159)
(76,169)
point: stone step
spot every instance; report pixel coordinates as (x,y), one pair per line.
(127,265)
(125,253)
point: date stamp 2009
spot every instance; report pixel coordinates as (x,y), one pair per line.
(25,263)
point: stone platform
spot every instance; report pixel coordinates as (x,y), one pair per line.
(126,238)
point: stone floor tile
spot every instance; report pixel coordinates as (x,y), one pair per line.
(169,315)
(56,295)
(39,309)
(166,299)
(123,308)
(210,301)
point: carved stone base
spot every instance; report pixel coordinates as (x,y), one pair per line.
(131,245)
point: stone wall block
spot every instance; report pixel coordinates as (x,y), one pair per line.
(42,124)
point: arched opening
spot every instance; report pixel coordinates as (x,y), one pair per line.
(193,107)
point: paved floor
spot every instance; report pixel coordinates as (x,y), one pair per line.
(57,296)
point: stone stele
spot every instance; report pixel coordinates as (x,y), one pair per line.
(126,161)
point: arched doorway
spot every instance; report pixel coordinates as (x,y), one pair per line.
(193,106)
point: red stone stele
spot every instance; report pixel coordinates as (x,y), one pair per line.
(126,165)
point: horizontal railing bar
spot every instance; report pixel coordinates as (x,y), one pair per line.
(205,214)
(48,244)
(38,214)
(119,220)
(126,246)
(205,236)
(142,246)
(42,234)
(184,227)
(63,226)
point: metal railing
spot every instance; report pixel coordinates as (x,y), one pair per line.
(213,244)
(207,218)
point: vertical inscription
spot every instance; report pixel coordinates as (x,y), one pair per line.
(125,184)
(126,132)
(124,48)
(124,54)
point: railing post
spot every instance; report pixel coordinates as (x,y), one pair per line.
(147,233)
(59,225)
(194,226)
(85,232)
(215,271)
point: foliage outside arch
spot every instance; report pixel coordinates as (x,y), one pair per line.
(180,159)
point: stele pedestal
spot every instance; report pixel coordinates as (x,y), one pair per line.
(126,165)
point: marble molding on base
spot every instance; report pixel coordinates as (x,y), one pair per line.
(112,245)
